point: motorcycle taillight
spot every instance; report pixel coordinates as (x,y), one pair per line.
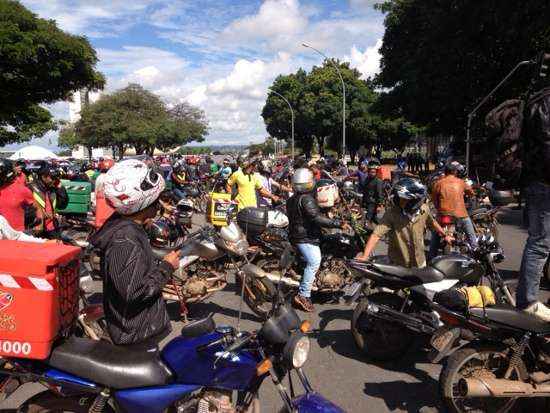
(445,219)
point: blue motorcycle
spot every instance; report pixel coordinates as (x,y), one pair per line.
(205,369)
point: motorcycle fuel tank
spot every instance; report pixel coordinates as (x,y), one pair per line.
(204,249)
(210,367)
(459,267)
(339,245)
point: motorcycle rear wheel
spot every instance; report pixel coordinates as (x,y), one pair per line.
(468,362)
(378,339)
(48,402)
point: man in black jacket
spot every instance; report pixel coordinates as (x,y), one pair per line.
(306,221)
(373,193)
(134,308)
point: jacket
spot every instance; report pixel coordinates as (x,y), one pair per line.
(57,199)
(132,282)
(448,196)
(306,219)
(373,191)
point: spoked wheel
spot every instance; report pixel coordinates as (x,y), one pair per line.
(380,339)
(477,362)
(48,402)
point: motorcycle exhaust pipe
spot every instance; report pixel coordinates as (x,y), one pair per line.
(478,387)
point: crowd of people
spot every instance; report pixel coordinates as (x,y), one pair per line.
(134,190)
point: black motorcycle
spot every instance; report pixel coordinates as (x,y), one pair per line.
(395,303)
(496,356)
(332,278)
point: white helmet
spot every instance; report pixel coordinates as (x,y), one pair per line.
(302,180)
(131,186)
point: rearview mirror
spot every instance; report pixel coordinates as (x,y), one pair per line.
(286,259)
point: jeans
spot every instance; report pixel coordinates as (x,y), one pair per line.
(180,193)
(537,247)
(312,256)
(463,225)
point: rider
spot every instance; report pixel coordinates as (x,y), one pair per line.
(134,308)
(448,198)
(15,197)
(226,171)
(264,174)
(49,195)
(305,226)
(247,184)
(7,232)
(405,223)
(373,192)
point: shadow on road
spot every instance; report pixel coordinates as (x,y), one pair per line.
(411,397)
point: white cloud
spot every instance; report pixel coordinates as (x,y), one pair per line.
(367,62)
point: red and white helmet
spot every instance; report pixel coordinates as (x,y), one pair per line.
(131,186)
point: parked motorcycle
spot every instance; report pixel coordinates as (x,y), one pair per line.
(384,323)
(506,358)
(201,370)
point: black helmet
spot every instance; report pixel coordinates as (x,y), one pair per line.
(7,174)
(164,234)
(373,164)
(411,190)
(457,168)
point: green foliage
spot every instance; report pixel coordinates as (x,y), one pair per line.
(316,98)
(39,64)
(441,57)
(135,117)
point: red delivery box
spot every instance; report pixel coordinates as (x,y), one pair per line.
(38,296)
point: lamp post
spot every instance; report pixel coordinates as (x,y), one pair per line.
(292,117)
(343,97)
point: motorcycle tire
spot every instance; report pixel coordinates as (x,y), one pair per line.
(48,402)
(378,339)
(546,271)
(259,294)
(451,373)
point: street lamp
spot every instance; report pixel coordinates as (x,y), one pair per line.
(343,97)
(292,115)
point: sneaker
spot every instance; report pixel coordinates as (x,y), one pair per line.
(304,303)
(539,310)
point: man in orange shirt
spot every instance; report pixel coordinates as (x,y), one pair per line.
(448,198)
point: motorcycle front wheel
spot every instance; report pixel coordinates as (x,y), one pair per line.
(259,294)
(48,402)
(380,339)
(477,362)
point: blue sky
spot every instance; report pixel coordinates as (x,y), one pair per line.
(220,55)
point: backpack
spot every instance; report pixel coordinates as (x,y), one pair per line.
(507,125)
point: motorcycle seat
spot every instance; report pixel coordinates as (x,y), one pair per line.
(512,317)
(116,367)
(479,211)
(424,275)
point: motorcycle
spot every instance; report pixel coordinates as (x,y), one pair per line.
(332,277)
(200,370)
(506,357)
(395,303)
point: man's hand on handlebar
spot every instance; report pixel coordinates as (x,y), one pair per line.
(448,239)
(361,257)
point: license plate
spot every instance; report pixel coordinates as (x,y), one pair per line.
(441,339)
(351,290)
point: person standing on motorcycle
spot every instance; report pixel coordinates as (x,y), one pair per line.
(15,197)
(405,223)
(49,196)
(373,192)
(448,198)
(306,221)
(247,183)
(134,308)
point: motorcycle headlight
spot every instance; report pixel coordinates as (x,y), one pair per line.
(239,248)
(296,350)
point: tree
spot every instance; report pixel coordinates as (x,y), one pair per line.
(439,58)
(135,117)
(39,64)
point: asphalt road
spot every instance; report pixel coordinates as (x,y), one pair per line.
(335,367)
